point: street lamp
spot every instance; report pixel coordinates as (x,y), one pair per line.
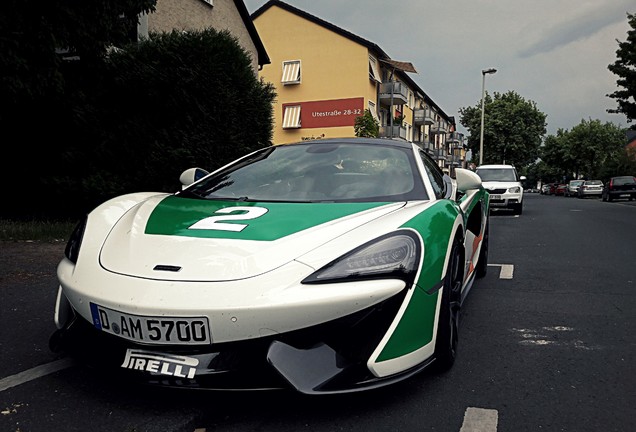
(483,92)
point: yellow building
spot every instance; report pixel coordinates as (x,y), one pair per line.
(326,76)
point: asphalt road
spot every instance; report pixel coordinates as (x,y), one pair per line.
(546,344)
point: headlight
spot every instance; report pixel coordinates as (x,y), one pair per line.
(515,189)
(394,255)
(75,241)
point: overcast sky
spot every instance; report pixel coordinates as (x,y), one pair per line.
(552,52)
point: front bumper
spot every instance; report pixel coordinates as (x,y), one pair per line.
(326,358)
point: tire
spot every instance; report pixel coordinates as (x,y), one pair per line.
(448,325)
(519,208)
(482,261)
(609,198)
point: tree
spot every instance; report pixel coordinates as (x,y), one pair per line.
(585,151)
(625,69)
(513,129)
(33,32)
(366,125)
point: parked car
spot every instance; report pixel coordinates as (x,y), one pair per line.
(560,189)
(622,187)
(545,189)
(553,187)
(504,185)
(324,266)
(590,188)
(573,188)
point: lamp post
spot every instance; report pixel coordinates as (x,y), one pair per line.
(483,92)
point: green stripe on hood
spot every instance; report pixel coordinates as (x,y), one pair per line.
(250,221)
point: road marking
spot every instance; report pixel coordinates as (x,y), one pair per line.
(480,420)
(505,270)
(33,373)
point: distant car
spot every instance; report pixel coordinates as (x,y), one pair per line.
(573,188)
(324,266)
(553,187)
(504,185)
(560,189)
(545,189)
(622,187)
(590,188)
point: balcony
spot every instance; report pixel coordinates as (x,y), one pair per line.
(440,154)
(439,128)
(423,116)
(395,131)
(455,138)
(400,93)
(427,146)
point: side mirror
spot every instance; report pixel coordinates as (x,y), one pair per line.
(466,180)
(191,175)
(522,178)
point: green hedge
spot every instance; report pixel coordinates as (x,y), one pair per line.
(132,122)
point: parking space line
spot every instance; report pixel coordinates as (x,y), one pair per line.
(480,420)
(36,372)
(505,270)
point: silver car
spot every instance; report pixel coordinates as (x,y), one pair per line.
(590,188)
(572,188)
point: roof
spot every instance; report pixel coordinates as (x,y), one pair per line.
(374,48)
(263,58)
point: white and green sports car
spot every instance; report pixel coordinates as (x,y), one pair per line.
(325,266)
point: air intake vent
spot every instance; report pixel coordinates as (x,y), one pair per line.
(168,268)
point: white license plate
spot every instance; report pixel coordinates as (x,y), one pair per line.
(152,330)
(624,195)
(495,197)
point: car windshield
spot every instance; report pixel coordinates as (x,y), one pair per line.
(593,182)
(308,172)
(496,174)
(621,181)
(576,182)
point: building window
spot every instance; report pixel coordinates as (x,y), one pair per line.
(374,71)
(291,117)
(374,111)
(291,72)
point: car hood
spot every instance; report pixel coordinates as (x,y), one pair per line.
(175,238)
(493,185)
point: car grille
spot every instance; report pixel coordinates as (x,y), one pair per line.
(497,191)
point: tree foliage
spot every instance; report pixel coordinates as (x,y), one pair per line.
(513,129)
(625,69)
(126,120)
(591,150)
(33,32)
(366,125)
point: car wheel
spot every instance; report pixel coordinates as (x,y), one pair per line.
(482,261)
(448,325)
(603,197)
(609,197)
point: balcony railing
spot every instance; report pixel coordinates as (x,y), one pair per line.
(428,146)
(455,138)
(439,128)
(394,131)
(399,90)
(423,116)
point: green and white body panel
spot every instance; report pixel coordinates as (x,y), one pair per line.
(241,263)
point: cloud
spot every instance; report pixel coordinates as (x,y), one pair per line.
(577,28)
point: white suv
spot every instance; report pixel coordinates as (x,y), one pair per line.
(504,185)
